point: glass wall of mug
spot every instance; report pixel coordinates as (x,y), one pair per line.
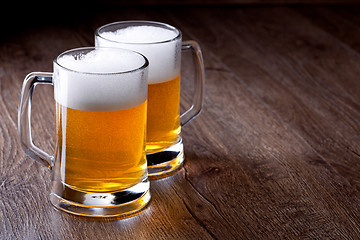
(162,45)
(99,166)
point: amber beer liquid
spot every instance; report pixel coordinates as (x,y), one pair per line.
(104,151)
(163,125)
(99,165)
(162,46)
(100,124)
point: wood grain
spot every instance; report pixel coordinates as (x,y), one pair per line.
(275,153)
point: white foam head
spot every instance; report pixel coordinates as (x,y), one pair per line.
(161,46)
(101,79)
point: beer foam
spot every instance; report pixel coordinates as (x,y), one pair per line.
(156,43)
(100,80)
(140,34)
(104,61)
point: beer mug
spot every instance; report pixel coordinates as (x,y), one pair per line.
(99,166)
(162,45)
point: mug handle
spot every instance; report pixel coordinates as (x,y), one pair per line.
(199,82)
(24,117)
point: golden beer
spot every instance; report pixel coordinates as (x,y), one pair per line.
(101,151)
(162,45)
(163,124)
(99,165)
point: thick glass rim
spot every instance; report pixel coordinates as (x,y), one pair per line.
(88,49)
(140,23)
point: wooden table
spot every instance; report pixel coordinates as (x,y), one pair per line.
(275,153)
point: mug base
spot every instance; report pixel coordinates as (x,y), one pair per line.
(166,162)
(122,204)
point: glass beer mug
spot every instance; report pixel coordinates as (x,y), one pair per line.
(162,45)
(99,166)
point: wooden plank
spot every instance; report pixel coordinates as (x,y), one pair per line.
(273,155)
(173,217)
(332,95)
(340,22)
(270,78)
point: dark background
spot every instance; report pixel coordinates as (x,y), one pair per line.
(275,153)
